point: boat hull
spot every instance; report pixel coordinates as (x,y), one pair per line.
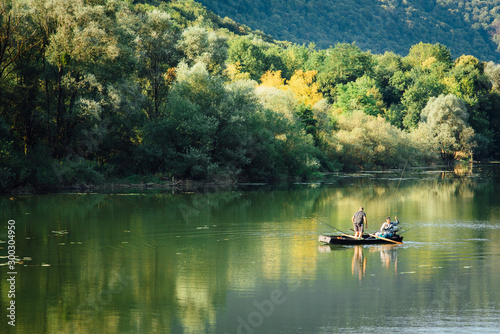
(367,240)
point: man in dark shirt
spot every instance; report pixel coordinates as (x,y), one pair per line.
(359,221)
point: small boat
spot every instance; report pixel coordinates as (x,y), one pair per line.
(368,239)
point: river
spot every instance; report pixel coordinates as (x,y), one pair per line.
(248,260)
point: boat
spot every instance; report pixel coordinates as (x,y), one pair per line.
(368,239)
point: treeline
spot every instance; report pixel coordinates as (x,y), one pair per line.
(465,26)
(104,90)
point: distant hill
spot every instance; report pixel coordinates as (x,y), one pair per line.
(464,26)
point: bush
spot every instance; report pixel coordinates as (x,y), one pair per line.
(365,141)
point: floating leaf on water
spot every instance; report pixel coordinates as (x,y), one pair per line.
(45,265)
(61,243)
(62,232)
(27,258)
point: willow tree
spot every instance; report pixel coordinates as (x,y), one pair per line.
(446,118)
(197,44)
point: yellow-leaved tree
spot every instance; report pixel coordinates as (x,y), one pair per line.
(305,88)
(273,79)
(302,85)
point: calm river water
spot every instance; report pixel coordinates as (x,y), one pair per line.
(248,260)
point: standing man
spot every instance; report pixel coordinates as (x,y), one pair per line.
(359,221)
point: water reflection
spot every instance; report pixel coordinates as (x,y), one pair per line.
(196,263)
(387,254)
(358,263)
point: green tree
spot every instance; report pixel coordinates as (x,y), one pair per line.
(422,84)
(422,53)
(197,44)
(467,81)
(365,141)
(156,55)
(306,115)
(295,58)
(17,35)
(446,118)
(389,66)
(343,63)
(362,94)
(248,55)
(203,131)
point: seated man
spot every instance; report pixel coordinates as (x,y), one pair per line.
(388,228)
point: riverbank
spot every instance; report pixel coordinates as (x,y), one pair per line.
(124,185)
(154,183)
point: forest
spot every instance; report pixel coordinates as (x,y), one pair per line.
(103,91)
(464,26)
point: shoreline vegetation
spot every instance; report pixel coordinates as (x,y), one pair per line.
(152,184)
(111,93)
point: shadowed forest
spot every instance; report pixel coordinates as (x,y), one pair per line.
(464,26)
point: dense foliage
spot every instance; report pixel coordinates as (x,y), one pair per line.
(464,26)
(92,91)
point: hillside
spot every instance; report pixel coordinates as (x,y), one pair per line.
(464,26)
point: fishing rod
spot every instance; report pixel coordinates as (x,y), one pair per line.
(319,221)
(397,188)
(411,228)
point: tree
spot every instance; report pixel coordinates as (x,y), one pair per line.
(306,115)
(468,82)
(365,141)
(197,44)
(16,36)
(295,58)
(156,56)
(446,118)
(421,85)
(248,55)
(344,63)
(302,85)
(420,54)
(272,79)
(492,71)
(305,88)
(386,71)
(70,78)
(204,128)
(363,95)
